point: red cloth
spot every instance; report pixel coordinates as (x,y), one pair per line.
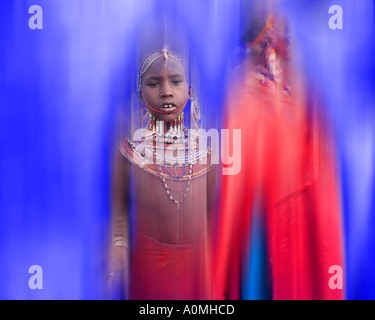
(163,271)
(287,159)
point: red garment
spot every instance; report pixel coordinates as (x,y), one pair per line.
(287,159)
(163,271)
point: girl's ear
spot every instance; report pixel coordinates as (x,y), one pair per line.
(190,93)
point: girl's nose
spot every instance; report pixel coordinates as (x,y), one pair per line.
(166,91)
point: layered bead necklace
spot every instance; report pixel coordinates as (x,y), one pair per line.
(170,133)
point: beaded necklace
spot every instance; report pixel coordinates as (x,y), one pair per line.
(173,135)
(154,160)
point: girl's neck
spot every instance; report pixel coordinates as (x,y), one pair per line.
(167,127)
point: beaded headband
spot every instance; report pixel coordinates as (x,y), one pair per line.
(165,53)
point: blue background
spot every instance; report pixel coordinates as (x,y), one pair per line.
(60,92)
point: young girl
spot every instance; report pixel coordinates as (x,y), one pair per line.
(163,247)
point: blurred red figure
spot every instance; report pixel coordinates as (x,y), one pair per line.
(288,166)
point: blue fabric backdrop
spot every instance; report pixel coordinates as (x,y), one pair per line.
(60,91)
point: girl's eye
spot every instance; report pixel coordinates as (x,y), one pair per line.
(176,82)
(152,84)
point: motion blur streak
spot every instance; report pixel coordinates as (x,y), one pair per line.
(337,62)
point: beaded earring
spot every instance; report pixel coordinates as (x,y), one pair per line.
(195,114)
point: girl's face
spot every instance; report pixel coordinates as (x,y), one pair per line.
(165,89)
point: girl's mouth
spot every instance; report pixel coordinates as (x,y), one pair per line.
(168,108)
